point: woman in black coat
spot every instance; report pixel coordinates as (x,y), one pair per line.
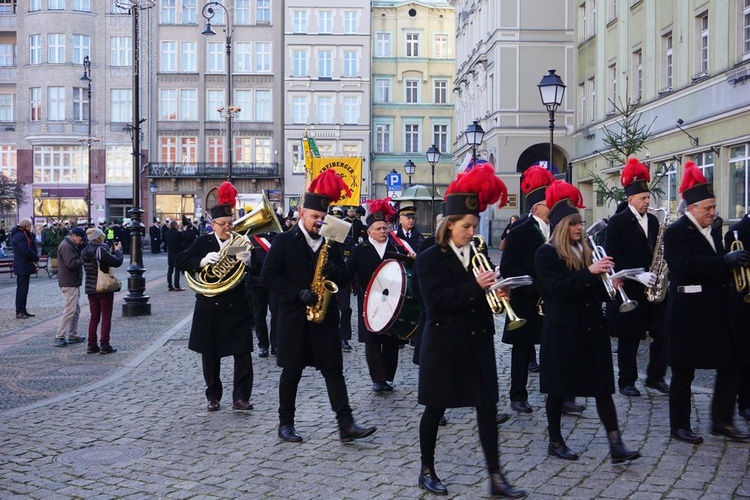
(575,356)
(457,355)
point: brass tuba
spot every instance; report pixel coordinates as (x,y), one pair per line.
(741,274)
(658,290)
(321,287)
(228,272)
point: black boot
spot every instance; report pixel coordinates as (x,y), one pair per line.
(560,450)
(618,450)
(429,481)
(500,487)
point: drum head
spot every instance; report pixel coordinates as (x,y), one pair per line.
(384,296)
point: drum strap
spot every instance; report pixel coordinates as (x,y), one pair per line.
(403,244)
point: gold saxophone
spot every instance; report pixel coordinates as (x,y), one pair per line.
(658,290)
(321,287)
(742,274)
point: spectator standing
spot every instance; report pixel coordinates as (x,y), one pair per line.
(96,256)
(174,247)
(69,278)
(2,240)
(154,233)
(164,229)
(24,264)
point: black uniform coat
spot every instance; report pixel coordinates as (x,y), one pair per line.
(289,268)
(698,334)
(740,317)
(154,233)
(576,355)
(222,325)
(518,259)
(415,241)
(362,263)
(625,242)
(457,352)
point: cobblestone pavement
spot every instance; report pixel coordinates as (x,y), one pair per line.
(133,424)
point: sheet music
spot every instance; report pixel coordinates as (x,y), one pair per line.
(335,229)
(626,273)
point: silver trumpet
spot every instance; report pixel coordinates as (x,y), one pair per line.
(599,253)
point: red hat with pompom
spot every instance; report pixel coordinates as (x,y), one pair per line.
(380,210)
(226,196)
(474,190)
(695,187)
(534,183)
(635,177)
(563,199)
(325,189)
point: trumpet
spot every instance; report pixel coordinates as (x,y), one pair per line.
(741,274)
(480,264)
(599,254)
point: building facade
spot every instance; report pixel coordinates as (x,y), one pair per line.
(683,65)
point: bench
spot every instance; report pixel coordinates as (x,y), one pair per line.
(43,265)
(6,267)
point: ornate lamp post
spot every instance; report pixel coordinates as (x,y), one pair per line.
(88,140)
(552,90)
(409,168)
(229,111)
(154,189)
(433,156)
(474,135)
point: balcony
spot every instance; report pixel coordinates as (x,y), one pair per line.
(214,170)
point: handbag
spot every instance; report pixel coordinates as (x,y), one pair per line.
(105,282)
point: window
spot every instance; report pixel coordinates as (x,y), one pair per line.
(611,10)
(7,107)
(412,45)
(120,164)
(667,44)
(298,162)
(299,21)
(35,104)
(412,91)
(215,150)
(440,137)
(299,63)
(262,105)
(214,100)
(121,105)
(82,5)
(638,75)
(612,89)
(351,22)
(120,51)
(325,64)
(440,46)
(241,12)
(188,149)
(382,137)
(262,150)
(35,49)
(592,99)
(703,41)
(243,99)
(440,92)
(168,57)
(325,110)
(187,58)
(81,48)
(168,12)
(114,8)
(35,5)
(325,21)
(168,104)
(216,57)
(56,103)
(263,11)
(350,150)
(58,164)
(262,57)
(582,104)
(739,171)
(411,138)
(188,12)
(746,27)
(382,90)
(243,56)
(56,48)
(587,19)
(7,54)
(56,4)
(382,44)
(299,110)
(351,68)
(351,110)
(8,161)
(80,104)
(168,149)
(188,104)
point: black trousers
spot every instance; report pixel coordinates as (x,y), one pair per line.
(743,392)
(381,355)
(344,300)
(273,305)
(337,395)
(627,352)
(259,296)
(722,404)
(171,270)
(243,376)
(520,357)
(22,292)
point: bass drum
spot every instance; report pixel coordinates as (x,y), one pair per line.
(389,306)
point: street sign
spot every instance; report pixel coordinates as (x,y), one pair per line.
(394,181)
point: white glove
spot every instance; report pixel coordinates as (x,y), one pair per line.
(210,258)
(647,279)
(244,256)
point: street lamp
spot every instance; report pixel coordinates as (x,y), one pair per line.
(409,168)
(474,135)
(87,78)
(154,189)
(228,111)
(552,90)
(433,156)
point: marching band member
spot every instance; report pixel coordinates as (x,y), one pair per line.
(381,350)
(699,272)
(289,270)
(343,298)
(222,323)
(575,355)
(407,212)
(631,241)
(457,355)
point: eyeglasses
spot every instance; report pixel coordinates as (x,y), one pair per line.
(222,224)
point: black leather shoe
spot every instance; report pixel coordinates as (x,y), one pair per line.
(443,421)
(28,314)
(521,406)
(213,405)
(729,431)
(686,436)
(354,431)
(560,450)
(533,367)
(503,417)
(500,487)
(429,481)
(744,413)
(288,434)
(617,449)
(570,406)
(658,385)
(345,345)
(382,387)
(263,352)
(630,391)
(242,404)
(273,351)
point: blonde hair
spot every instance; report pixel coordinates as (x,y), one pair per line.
(560,240)
(442,233)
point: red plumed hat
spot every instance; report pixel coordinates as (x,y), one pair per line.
(635,177)
(380,210)
(534,183)
(474,190)
(226,197)
(562,200)
(695,187)
(325,189)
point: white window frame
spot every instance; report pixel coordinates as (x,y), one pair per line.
(81,47)
(80,104)
(56,104)
(189,12)
(120,51)
(263,12)
(55,48)
(383,44)
(119,164)
(300,64)
(243,99)
(611,88)
(168,56)
(351,63)
(412,90)
(168,12)
(411,44)
(8,107)
(121,105)
(35,49)
(325,22)
(58,164)
(263,57)
(299,108)
(325,64)
(36,104)
(383,90)
(243,57)
(703,43)
(299,21)
(441,132)
(325,109)
(440,46)
(188,57)
(440,91)
(263,105)
(215,58)
(214,100)
(412,137)
(351,22)
(668,42)
(351,107)
(383,137)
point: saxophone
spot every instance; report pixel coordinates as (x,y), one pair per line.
(321,287)
(658,291)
